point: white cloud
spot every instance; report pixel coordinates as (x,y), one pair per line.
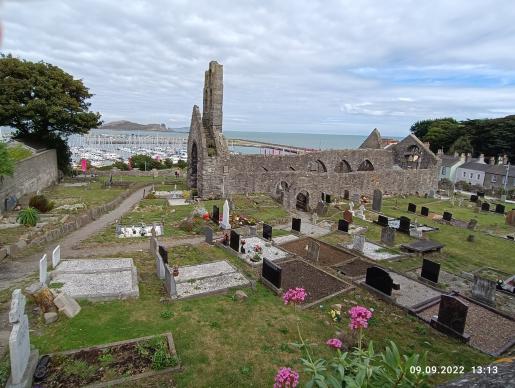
(341,66)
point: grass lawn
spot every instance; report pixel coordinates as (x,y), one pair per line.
(222,342)
(18,152)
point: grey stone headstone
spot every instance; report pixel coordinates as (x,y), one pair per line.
(170,285)
(313,250)
(321,209)
(377,201)
(472,224)
(252,230)
(18,302)
(388,235)
(208,233)
(431,194)
(43,274)
(358,243)
(483,290)
(160,266)
(19,349)
(10,203)
(355,198)
(416,233)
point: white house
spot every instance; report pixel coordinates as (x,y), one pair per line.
(450,163)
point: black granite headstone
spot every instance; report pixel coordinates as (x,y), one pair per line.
(485,206)
(295,224)
(164,253)
(346,194)
(499,208)
(343,225)
(447,216)
(215,216)
(267,232)
(382,220)
(412,208)
(404,224)
(328,198)
(481,194)
(424,211)
(379,279)
(272,273)
(473,198)
(234,241)
(452,313)
(430,270)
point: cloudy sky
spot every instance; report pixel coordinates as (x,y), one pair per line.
(292,65)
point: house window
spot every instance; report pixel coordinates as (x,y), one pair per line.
(478,176)
(503,180)
(494,178)
(471,175)
(464,174)
(444,170)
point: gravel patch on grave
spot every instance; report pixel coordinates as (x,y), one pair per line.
(268,252)
(354,268)
(328,255)
(211,284)
(283,239)
(317,283)
(313,230)
(93,265)
(177,202)
(216,268)
(375,252)
(488,331)
(411,291)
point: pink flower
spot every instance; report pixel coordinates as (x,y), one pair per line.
(359,316)
(294,295)
(286,378)
(334,343)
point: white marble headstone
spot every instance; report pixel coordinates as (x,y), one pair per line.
(160,266)
(43,264)
(56,256)
(358,243)
(18,302)
(19,349)
(225,218)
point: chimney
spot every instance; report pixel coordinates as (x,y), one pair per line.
(491,161)
(456,154)
(440,152)
(469,157)
(499,161)
(505,160)
(481,159)
(462,157)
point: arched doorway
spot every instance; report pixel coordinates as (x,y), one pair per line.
(194,167)
(302,201)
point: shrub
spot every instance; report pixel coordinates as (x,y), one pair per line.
(28,216)
(182,164)
(445,184)
(41,203)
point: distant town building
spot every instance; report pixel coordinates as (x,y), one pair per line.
(449,165)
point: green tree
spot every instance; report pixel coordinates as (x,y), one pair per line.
(6,163)
(461,145)
(44,104)
(145,162)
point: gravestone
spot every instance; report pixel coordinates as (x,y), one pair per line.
(379,279)
(510,218)
(416,233)
(472,224)
(313,250)
(485,207)
(452,315)
(163,253)
(355,198)
(215,216)
(430,270)
(225,217)
(343,226)
(377,200)
(321,209)
(483,290)
(267,232)
(153,245)
(481,194)
(272,273)
(328,198)
(499,208)
(295,224)
(424,211)
(412,208)
(43,265)
(382,220)
(170,285)
(18,302)
(388,235)
(360,213)
(346,195)
(252,230)
(235,241)
(208,233)
(404,224)
(447,216)
(347,216)
(10,203)
(160,266)
(56,256)
(431,194)
(473,198)
(358,243)
(314,218)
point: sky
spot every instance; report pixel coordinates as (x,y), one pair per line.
(309,66)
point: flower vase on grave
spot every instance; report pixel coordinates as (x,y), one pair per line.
(175,271)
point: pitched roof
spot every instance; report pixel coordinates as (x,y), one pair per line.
(500,169)
(449,160)
(474,165)
(373,140)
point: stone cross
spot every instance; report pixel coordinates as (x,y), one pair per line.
(56,256)
(225,217)
(43,275)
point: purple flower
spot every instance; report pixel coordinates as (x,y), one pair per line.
(295,295)
(334,343)
(286,378)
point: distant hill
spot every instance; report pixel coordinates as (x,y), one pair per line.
(124,125)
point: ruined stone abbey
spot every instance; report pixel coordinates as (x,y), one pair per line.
(299,181)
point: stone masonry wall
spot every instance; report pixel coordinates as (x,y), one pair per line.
(31,174)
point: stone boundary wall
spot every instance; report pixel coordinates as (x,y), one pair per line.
(136,172)
(59,231)
(30,175)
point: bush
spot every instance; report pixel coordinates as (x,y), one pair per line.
(28,216)
(41,203)
(182,164)
(445,184)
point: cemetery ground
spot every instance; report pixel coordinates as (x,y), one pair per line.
(257,207)
(221,341)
